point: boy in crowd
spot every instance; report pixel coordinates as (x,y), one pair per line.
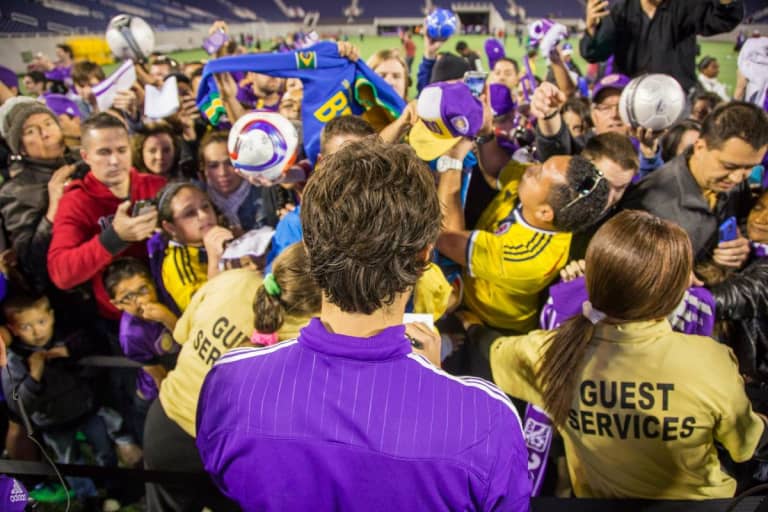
(46,392)
(146,324)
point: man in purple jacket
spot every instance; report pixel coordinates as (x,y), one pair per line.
(347,416)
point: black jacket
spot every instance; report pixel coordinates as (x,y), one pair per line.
(665,44)
(742,301)
(61,398)
(23,204)
(671,192)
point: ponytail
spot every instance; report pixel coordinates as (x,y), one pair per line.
(562,361)
(268,309)
(286,292)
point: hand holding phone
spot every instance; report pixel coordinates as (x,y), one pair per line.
(475,80)
(728,230)
(141,207)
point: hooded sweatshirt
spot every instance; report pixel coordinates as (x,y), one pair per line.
(84,241)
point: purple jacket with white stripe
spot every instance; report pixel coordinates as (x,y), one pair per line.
(333,422)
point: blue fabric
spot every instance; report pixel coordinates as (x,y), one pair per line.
(649,164)
(424,73)
(329,81)
(287,232)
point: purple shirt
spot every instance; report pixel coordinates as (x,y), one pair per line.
(333,422)
(144,341)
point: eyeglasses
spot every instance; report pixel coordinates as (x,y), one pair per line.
(130,297)
(586,187)
(604,109)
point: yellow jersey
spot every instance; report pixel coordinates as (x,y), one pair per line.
(184,271)
(509,262)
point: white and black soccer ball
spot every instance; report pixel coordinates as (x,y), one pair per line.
(263,144)
(653,101)
(130,37)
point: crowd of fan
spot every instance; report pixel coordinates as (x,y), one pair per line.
(116,228)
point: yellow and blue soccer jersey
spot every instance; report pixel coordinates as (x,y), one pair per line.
(509,262)
(432,292)
(333,86)
(185,269)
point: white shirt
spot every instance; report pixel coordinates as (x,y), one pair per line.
(715,86)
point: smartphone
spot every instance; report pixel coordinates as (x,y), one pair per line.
(212,43)
(142,206)
(475,80)
(756,176)
(728,230)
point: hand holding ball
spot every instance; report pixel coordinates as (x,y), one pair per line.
(652,101)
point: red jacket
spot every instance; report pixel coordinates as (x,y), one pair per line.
(82,227)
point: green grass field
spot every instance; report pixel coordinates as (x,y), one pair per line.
(722,51)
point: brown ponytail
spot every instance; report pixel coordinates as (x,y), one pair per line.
(637,268)
(297,294)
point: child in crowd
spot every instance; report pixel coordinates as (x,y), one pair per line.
(48,393)
(286,300)
(195,240)
(146,325)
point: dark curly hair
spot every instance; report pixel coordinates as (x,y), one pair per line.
(575,206)
(370,212)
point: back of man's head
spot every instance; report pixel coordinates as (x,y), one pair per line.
(351,127)
(613,146)
(579,203)
(738,119)
(100,121)
(370,214)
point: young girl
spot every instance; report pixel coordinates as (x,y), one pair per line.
(286,300)
(195,240)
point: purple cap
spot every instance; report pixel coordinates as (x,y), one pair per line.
(567,49)
(494,50)
(615,81)
(8,77)
(13,495)
(450,110)
(501,99)
(447,112)
(60,104)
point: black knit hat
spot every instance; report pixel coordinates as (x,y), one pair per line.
(12,122)
(449,67)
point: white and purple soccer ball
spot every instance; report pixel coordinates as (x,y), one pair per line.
(130,37)
(263,144)
(441,24)
(653,101)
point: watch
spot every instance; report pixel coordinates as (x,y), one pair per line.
(446,163)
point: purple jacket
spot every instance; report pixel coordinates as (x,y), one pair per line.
(694,315)
(144,342)
(332,422)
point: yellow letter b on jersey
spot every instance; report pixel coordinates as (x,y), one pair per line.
(334,107)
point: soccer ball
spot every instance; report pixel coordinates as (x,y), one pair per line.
(652,101)
(440,24)
(263,144)
(130,37)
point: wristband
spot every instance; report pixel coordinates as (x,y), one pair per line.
(550,116)
(483,139)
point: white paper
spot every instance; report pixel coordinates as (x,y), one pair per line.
(254,243)
(121,80)
(162,102)
(424,318)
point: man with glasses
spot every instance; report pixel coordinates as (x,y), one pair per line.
(707,184)
(522,239)
(552,134)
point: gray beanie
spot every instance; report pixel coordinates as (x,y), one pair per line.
(13,114)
